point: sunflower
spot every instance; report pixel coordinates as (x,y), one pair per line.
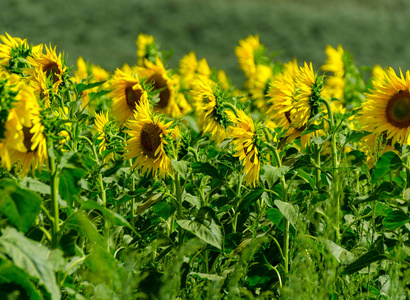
(260,85)
(146,48)
(247,53)
(308,88)
(148,142)
(245,141)
(82,71)
(127,93)
(208,98)
(386,110)
(100,123)
(163,84)
(24,142)
(281,97)
(190,69)
(12,50)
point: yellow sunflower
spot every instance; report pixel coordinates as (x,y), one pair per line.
(127,93)
(147,143)
(208,98)
(308,88)
(246,54)
(259,87)
(281,97)
(24,142)
(146,47)
(163,84)
(190,68)
(100,123)
(11,49)
(82,71)
(386,110)
(245,146)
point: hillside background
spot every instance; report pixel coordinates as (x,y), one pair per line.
(104,31)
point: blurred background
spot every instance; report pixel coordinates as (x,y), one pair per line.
(103,32)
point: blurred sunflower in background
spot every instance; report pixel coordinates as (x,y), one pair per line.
(260,85)
(148,141)
(190,69)
(386,110)
(246,146)
(147,49)
(127,93)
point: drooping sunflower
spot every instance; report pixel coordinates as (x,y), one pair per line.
(190,69)
(208,98)
(245,141)
(149,134)
(13,50)
(127,93)
(260,85)
(23,139)
(163,84)
(147,48)
(386,110)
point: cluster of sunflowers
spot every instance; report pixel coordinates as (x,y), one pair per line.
(155,108)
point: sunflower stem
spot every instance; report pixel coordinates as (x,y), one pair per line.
(54,201)
(335,163)
(317,161)
(287,223)
(231,107)
(178,192)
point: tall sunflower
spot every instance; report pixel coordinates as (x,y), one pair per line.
(208,98)
(260,85)
(247,52)
(100,123)
(23,140)
(149,134)
(127,93)
(386,110)
(245,141)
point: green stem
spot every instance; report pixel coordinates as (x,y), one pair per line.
(230,107)
(54,201)
(178,192)
(317,170)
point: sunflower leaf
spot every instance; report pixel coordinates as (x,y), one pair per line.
(386,163)
(395,219)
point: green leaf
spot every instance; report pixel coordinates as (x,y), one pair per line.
(363,261)
(272,174)
(180,166)
(356,157)
(81,87)
(251,197)
(387,162)
(35,186)
(206,226)
(395,219)
(69,184)
(274,215)
(355,136)
(30,256)
(194,200)
(287,210)
(342,255)
(84,227)
(11,274)
(205,168)
(113,216)
(21,207)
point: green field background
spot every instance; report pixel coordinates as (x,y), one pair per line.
(104,31)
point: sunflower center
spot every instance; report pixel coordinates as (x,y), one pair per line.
(150,139)
(398,110)
(159,83)
(132,96)
(27,138)
(52,71)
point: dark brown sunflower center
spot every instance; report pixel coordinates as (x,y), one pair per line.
(398,110)
(287,115)
(132,96)
(159,83)
(27,138)
(150,139)
(52,71)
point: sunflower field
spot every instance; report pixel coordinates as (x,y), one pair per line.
(152,182)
